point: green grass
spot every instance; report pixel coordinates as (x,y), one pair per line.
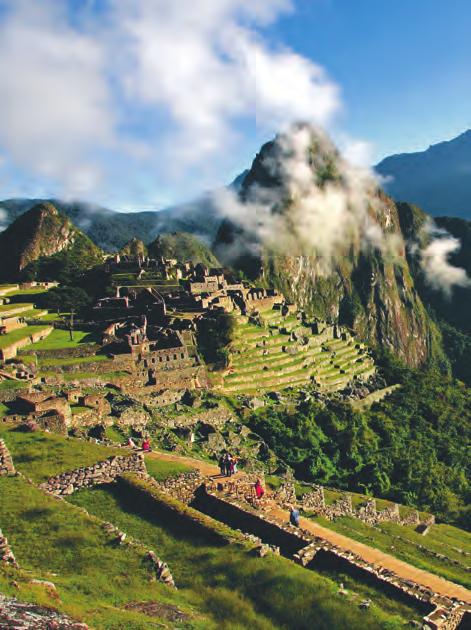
(94,577)
(9,384)
(5,308)
(59,339)
(114,434)
(94,358)
(403,543)
(77,376)
(160,469)
(41,455)
(21,333)
(236,589)
(3,410)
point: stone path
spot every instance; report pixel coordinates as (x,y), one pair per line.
(369,554)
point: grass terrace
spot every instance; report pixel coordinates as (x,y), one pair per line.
(51,361)
(42,455)
(452,544)
(21,333)
(59,339)
(259,364)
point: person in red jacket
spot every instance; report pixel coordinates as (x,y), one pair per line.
(146,444)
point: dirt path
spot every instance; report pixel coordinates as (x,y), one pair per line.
(369,554)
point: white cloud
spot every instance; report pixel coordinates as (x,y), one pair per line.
(54,100)
(307,212)
(3,219)
(435,261)
(71,90)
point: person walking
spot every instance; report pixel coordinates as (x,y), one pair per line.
(294,516)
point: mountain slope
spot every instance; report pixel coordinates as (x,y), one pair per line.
(438,179)
(40,234)
(366,289)
(183,247)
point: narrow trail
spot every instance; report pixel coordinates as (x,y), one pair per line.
(369,554)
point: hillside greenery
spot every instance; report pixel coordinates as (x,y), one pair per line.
(183,246)
(412,447)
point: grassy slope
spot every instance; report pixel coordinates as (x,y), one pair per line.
(41,455)
(94,577)
(235,588)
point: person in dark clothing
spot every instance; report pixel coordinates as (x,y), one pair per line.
(228,464)
(294,516)
(222,464)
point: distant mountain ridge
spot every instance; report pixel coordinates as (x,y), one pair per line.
(112,230)
(437,179)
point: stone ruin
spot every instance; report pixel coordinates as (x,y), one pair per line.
(102,472)
(314,501)
(182,487)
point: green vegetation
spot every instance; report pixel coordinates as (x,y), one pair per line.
(94,577)
(61,339)
(21,333)
(406,544)
(65,298)
(183,246)
(411,447)
(215,332)
(227,583)
(41,455)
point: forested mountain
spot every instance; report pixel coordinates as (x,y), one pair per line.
(40,234)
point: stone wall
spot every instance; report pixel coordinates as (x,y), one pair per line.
(102,472)
(6,462)
(182,487)
(6,554)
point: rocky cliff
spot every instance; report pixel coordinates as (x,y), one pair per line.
(320,260)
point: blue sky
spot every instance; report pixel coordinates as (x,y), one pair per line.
(136,104)
(404,66)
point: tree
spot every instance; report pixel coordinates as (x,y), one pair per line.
(65,299)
